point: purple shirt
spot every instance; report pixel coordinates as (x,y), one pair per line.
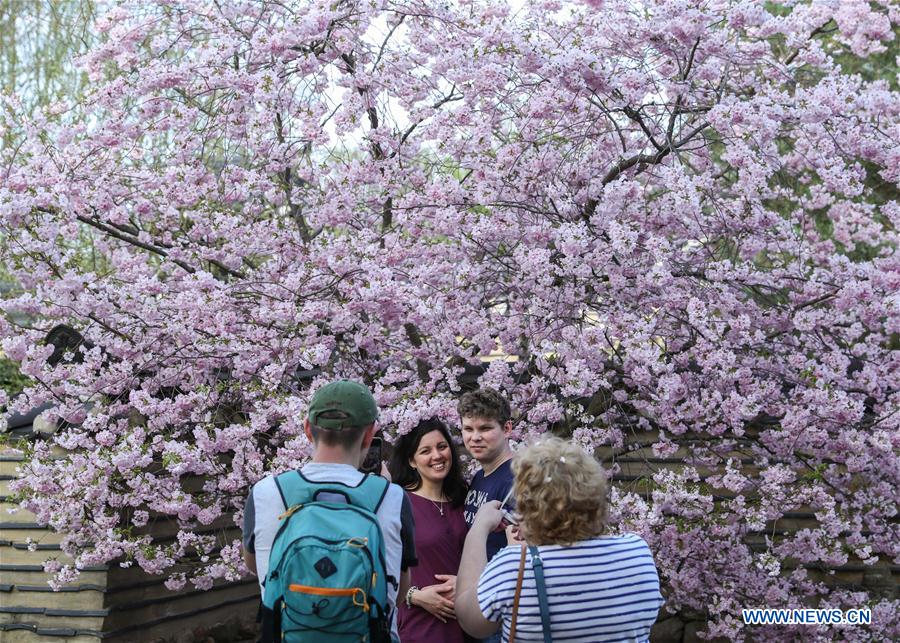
(439,543)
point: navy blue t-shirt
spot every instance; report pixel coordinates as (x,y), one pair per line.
(484,489)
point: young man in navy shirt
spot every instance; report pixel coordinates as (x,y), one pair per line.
(486,426)
(486,421)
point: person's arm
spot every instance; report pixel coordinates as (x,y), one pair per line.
(474,560)
(250,560)
(408,547)
(248,538)
(404,585)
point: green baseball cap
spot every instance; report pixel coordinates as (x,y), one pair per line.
(349,404)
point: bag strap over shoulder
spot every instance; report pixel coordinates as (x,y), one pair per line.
(538,566)
(370,493)
(516,597)
(296,489)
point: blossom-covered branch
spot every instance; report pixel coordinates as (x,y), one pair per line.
(672,226)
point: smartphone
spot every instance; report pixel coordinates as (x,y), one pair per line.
(508,518)
(372,461)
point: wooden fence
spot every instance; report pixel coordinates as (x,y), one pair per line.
(109,602)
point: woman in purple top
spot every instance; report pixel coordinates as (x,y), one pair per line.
(426,464)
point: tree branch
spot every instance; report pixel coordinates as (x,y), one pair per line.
(409,130)
(650,159)
(111,231)
(647,159)
(818,30)
(635,115)
(155,249)
(386,39)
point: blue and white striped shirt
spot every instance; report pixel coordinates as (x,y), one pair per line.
(602,589)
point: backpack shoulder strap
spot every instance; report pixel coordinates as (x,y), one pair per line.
(369,493)
(294,488)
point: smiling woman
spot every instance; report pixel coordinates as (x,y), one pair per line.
(426,464)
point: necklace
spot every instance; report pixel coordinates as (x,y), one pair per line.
(439,505)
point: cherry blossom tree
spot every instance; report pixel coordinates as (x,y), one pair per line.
(678,221)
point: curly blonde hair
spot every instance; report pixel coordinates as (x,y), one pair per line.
(560,493)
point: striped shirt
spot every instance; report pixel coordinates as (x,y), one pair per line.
(602,589)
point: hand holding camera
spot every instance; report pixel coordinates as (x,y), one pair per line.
(509,519)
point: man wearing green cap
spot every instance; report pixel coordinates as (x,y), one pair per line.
(340,424)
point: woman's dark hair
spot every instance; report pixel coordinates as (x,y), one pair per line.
(454,486)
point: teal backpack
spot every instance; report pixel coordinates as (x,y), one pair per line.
(327,579)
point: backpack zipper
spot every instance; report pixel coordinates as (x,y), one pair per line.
(335,591)
(290,511)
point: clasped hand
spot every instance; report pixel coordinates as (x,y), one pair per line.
(437,599)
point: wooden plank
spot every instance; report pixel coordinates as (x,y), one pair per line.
(13,555)
(5,491)
(35,576)
(77,600)
(166,528)
(43,635)
(10,467)
(176,607)
(21,532)
(53,618)
(11,511)
(238,610)
(119,597)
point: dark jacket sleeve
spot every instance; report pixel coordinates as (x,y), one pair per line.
(247,536)
(407,536)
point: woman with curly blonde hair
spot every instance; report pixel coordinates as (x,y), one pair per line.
(568,580)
